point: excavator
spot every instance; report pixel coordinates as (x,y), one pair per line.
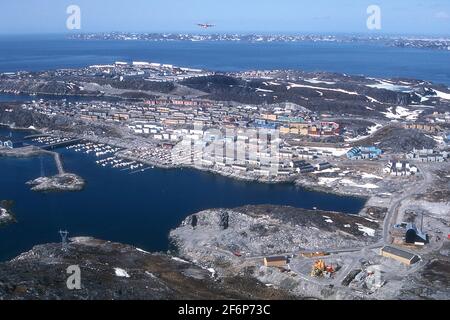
(320,269)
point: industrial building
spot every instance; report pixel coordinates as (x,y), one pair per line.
(409,233)
(276,261)
(400,255)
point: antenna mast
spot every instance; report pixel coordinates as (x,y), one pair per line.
(63,235)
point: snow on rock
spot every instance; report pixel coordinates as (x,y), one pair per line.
(370,176)
(213,272)
(442,95)
(315,81)
(330,170)
(397,113)
(354,184)
(121,273)
(263,90)
(373,100)
(368,231)
(179,260)
(326,181)
(390,86)
(337,152)
(370,130)
(295,85)
(438,139)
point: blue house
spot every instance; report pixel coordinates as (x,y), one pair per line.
(264,124)
(360,153)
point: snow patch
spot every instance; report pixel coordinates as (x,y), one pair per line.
(366,230)
(294,85)
(370,131)
(315,81)
(354,184)
(326,181)
(370,176)
(442,95)
(397,113)
(121,273)
(179,260)
(213,272)
(330,170)
(263,90)
(390,86)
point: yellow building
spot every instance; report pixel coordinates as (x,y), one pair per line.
(400,255)
(277,261)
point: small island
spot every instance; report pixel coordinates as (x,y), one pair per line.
(60,182)
(5,214)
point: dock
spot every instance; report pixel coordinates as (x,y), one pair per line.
(33,136)
(61,144)
(58,160)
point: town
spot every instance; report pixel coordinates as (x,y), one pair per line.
(387,141)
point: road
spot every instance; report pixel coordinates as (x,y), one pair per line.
(393,211)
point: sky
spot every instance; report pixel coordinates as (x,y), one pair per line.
(408,17)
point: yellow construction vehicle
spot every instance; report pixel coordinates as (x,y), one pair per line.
(320,269)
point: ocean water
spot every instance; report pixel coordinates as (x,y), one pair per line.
(139,209)
(50,52)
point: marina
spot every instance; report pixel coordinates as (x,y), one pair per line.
(99,150)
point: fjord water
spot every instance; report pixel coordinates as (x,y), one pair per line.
(137,209)
(49,52)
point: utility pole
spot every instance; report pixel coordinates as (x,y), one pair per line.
(421,224)
(63,235)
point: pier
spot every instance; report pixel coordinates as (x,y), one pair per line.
(31,151)
(33,136)
(61,144)
(58,160)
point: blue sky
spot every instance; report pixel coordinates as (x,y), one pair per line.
(298,16)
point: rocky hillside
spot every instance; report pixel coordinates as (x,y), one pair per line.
(117,271)
(213,236)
